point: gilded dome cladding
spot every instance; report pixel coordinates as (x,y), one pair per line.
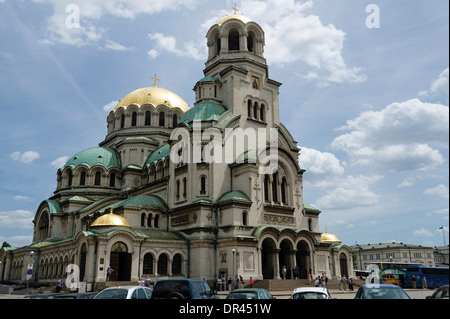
(155,96)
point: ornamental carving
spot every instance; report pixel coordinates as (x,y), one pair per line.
(281,220)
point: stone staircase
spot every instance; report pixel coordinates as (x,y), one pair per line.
(291,284)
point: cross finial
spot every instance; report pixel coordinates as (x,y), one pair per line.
(235,9)
(156,79)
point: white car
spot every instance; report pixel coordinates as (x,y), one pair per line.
(310,293)
(125,292)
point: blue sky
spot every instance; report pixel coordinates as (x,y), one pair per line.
(368,106)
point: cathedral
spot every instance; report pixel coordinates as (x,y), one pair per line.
(164,195)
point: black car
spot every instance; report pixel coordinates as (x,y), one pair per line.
(182,289)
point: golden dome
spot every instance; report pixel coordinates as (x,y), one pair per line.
(110,219)
(153,95)
(329,238)
(235,16)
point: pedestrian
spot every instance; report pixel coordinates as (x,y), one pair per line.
(251,281)
(147,282)
(294,272)
(58,286)
(141,282)
(340,283)
(283,272)
(350,283)
(344,282)
(236,282)
(219,283)
(317,282)
(325,282)
(413,280)
(229,283)
(108,273)
(309,278)
(241,282)
(424,283)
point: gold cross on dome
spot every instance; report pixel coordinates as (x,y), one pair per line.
(235,9)
(156,79)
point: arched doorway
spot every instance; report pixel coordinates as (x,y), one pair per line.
(343,264)
(120,262)
(285,258)
(268,255)
(303,259)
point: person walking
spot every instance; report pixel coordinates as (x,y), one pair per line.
(414,283)
(284,272)
(424,283)
(251,281)
(108,273)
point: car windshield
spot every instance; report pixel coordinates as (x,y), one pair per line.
(309,295)
(243,295)
(385,293)
(112,294)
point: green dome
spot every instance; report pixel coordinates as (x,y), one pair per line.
(103,156)
(139,201)
(203,112)
(160,153)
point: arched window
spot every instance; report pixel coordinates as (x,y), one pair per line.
(156,221)
(310,224)
(98,177)
(162,121)
(233,41)
(215,91)
(149,220)
(82,178)
(122,121)
(178,188)
(249,108)
(112,180)
(218,45)
(275,188)
(174,120)
(134,119)
(203,185)
(162,264)
(148,264)
(143,219)
(244,219)
(69,183)
(283,191)
(184,187)
(176,264)
(148,117)
(255,111)
(250,45)
(262,110)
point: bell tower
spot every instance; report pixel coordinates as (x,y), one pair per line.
(236,72)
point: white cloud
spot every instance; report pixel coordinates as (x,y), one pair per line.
(422,232)
(403,136)
(91,11)
(112,45)
(59,162)
(322,168)
(16,219)
(295,36)
(27,157)
(351,192)
(440,190)
(169,44)
(439,88)
(110,106)
(23,198)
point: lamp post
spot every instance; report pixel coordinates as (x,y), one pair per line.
(234,268)
(30,269)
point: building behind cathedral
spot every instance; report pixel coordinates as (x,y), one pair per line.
(144,206)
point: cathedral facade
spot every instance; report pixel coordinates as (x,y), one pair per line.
(164,194)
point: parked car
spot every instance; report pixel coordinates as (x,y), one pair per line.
(125,292)
(250,293)
(441,293)
(182,289)
(80,295)
(383,291)
(310,293)
(41,296)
